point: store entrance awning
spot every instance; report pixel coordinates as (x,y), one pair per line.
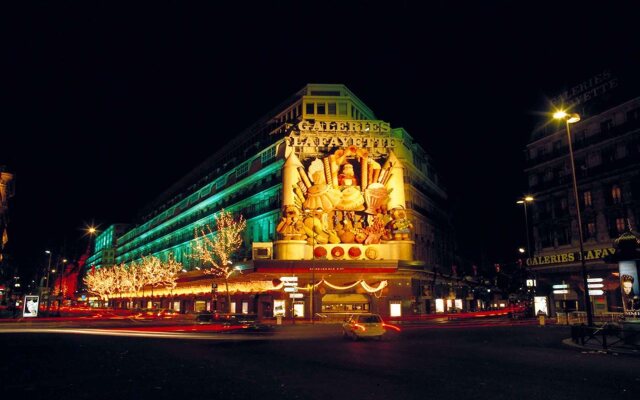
(345,298)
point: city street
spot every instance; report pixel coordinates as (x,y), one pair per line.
(315,362)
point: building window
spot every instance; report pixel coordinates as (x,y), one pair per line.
(242,169)
(342,108)
(616,226)
(309,108)
(321,109)
(546,237)
(580,137)
(590,230)
(221,182)
(564,235)
(616,194)
(268,154)
(633,115)
(332,108)
(586,198)
(606,125)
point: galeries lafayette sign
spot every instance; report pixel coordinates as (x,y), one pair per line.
(570,257)
(362,134)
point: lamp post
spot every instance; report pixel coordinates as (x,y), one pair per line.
(313,258)
(48,276)
(524,201)
(572,119)
(61,276)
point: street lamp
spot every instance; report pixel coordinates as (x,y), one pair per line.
(572,119)
(313,257)
(524,201)
(61,276)
(48,275)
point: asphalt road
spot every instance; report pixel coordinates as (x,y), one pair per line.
(305,362)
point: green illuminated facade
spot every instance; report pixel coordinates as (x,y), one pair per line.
(245,177)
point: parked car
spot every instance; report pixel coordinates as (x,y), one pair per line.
(366,325)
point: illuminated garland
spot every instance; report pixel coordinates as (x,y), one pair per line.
(365,286)
(246,287)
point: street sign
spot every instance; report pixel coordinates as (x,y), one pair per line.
(291,289)
(289,279)
(296,295)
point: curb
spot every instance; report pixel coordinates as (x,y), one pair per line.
(595,349)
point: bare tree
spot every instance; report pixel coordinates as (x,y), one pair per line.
(215,248)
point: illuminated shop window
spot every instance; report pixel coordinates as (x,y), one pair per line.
(199,305)
(232,308)
(245,307)
(458,304)
(176,305)
(449,304)
(298,309)
(395,309)
(279,308)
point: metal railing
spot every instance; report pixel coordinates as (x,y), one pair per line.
(609,336)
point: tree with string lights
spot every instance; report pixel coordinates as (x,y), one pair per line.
(101,282)
(215,248)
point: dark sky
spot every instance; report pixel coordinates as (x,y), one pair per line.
(108,103)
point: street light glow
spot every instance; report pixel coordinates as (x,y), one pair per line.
(570,118)
(559,115)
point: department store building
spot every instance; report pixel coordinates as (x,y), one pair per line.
(345,213)
(606,148)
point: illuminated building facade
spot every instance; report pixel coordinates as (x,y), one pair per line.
(348,205)
(606,147)
(6,191)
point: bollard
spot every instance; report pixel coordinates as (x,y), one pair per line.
(279,320)
(541,319)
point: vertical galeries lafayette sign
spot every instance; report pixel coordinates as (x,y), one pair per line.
(330,134)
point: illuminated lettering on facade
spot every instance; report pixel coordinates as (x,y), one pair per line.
(587,90)
(362,134)
(594,254)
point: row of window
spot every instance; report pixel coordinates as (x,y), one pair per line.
(558,206)
(561,235)
(332,108)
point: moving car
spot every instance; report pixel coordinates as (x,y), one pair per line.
(233,321)
(366,325)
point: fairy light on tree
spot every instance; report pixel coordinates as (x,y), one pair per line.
(215,248)
(101,282)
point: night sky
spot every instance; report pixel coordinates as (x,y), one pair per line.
(108,104)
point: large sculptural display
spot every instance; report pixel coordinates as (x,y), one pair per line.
(344,197)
